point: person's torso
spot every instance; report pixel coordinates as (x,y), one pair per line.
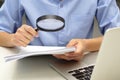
(78,15)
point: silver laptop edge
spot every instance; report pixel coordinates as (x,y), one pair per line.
(107,66)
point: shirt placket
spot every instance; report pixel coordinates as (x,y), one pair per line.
(60,13)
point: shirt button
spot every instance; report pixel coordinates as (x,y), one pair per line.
(61,5)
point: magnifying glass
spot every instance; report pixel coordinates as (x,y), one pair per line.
(50,23)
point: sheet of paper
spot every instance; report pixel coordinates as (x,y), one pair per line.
(38,50)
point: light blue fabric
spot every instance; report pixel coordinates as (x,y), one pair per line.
(78,14)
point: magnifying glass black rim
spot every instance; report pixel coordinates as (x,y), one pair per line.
(50,17)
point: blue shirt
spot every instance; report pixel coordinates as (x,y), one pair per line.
(78,14)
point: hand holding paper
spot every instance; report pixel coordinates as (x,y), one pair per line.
(38,50)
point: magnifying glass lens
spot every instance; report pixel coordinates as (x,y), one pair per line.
(50,23)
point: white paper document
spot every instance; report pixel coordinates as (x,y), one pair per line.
(38,50)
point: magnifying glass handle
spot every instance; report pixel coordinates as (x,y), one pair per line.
(37,30)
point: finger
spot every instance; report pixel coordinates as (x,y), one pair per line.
(69,54)
(78,58)
(73,54)
(57,56)
(73,42)
(62,57)
(30,30)
(24,33)
(17,42)
(80,47)
(22,38)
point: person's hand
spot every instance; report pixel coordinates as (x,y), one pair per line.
(80,46)
(23,36)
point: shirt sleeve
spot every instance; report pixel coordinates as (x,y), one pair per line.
(10,16)
(107,14)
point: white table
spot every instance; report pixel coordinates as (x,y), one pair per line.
(31,68)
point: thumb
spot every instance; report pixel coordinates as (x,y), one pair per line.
(72,43)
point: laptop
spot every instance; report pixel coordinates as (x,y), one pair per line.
(102,66)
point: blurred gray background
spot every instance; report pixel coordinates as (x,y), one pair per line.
(96,29)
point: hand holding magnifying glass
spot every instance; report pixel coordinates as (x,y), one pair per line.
(50,23)
(25,33)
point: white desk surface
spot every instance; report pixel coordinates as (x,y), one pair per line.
(31,68)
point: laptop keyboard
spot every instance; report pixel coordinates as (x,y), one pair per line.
(82,73)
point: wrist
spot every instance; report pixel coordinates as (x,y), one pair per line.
(92,44)
(11,42)
(86,47)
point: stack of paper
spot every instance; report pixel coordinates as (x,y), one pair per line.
(38,50)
